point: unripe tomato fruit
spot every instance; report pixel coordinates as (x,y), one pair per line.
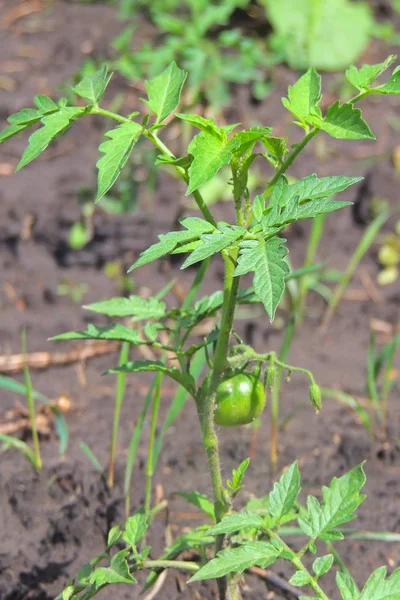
(240,399)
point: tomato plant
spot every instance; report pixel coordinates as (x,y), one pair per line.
(240,399)
(251,244)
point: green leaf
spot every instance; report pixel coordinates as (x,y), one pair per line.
(116,153)
(363,77)
(28,116)
(45,104)
(170,241)
(322,564)
(295,211)
(201,501)
(345,122)
(304,96)
(284,494)
(113,332)
(392,86)
(243,141)
(113,536)
(267,260)
(92,87)
(53,125)
(117,572)
(210,154)
(135,528)
(12,442)
(379,588)
(346,586)
(258,207)
(236,560)
(206,125)
(213,243)
(235,483)
(164,91)
(276,146)
(237,522)
(184,379)
(300,578)
(135,306)
(328,35)
(313,188)
(340,500)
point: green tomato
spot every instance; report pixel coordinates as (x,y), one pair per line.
(240,399)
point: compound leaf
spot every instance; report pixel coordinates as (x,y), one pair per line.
(214,243)
(363,77)
(195,228)
(116,152)
(53,125)
(117,572)
(92,87)
(164,91)
(267,260)
(184,379)
(340,500)
(313,188)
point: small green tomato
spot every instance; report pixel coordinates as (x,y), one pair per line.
(240,399)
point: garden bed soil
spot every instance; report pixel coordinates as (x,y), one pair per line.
(53,522)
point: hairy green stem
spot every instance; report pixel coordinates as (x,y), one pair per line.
(171,564)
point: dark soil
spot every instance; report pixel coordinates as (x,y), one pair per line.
(54,522)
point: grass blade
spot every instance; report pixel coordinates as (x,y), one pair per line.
(92,457)
(31,407)
(352,403)
(363,246)
(11,441)
(119,398)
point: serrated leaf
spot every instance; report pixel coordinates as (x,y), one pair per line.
(210,154)
(135,528)
(53,125)
(322,564)
(363,77)
(236,560)
(113,536)
(135,306)
(276,146)
(379,588)
(304,96)
(345,122)
(235,483)
(195,226)
(92,87)
(340,500)
(116,152)
(45,104)
(113,332)
(392,86)
(258,207)
(201,501)
(164,91)
(243,141)
(267,260)
(237,522)
(184,379)
(117,572)
(294,211)
(300,578)
(285,491)
(206,125)
(213,243)
(346,586)
(313,188)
